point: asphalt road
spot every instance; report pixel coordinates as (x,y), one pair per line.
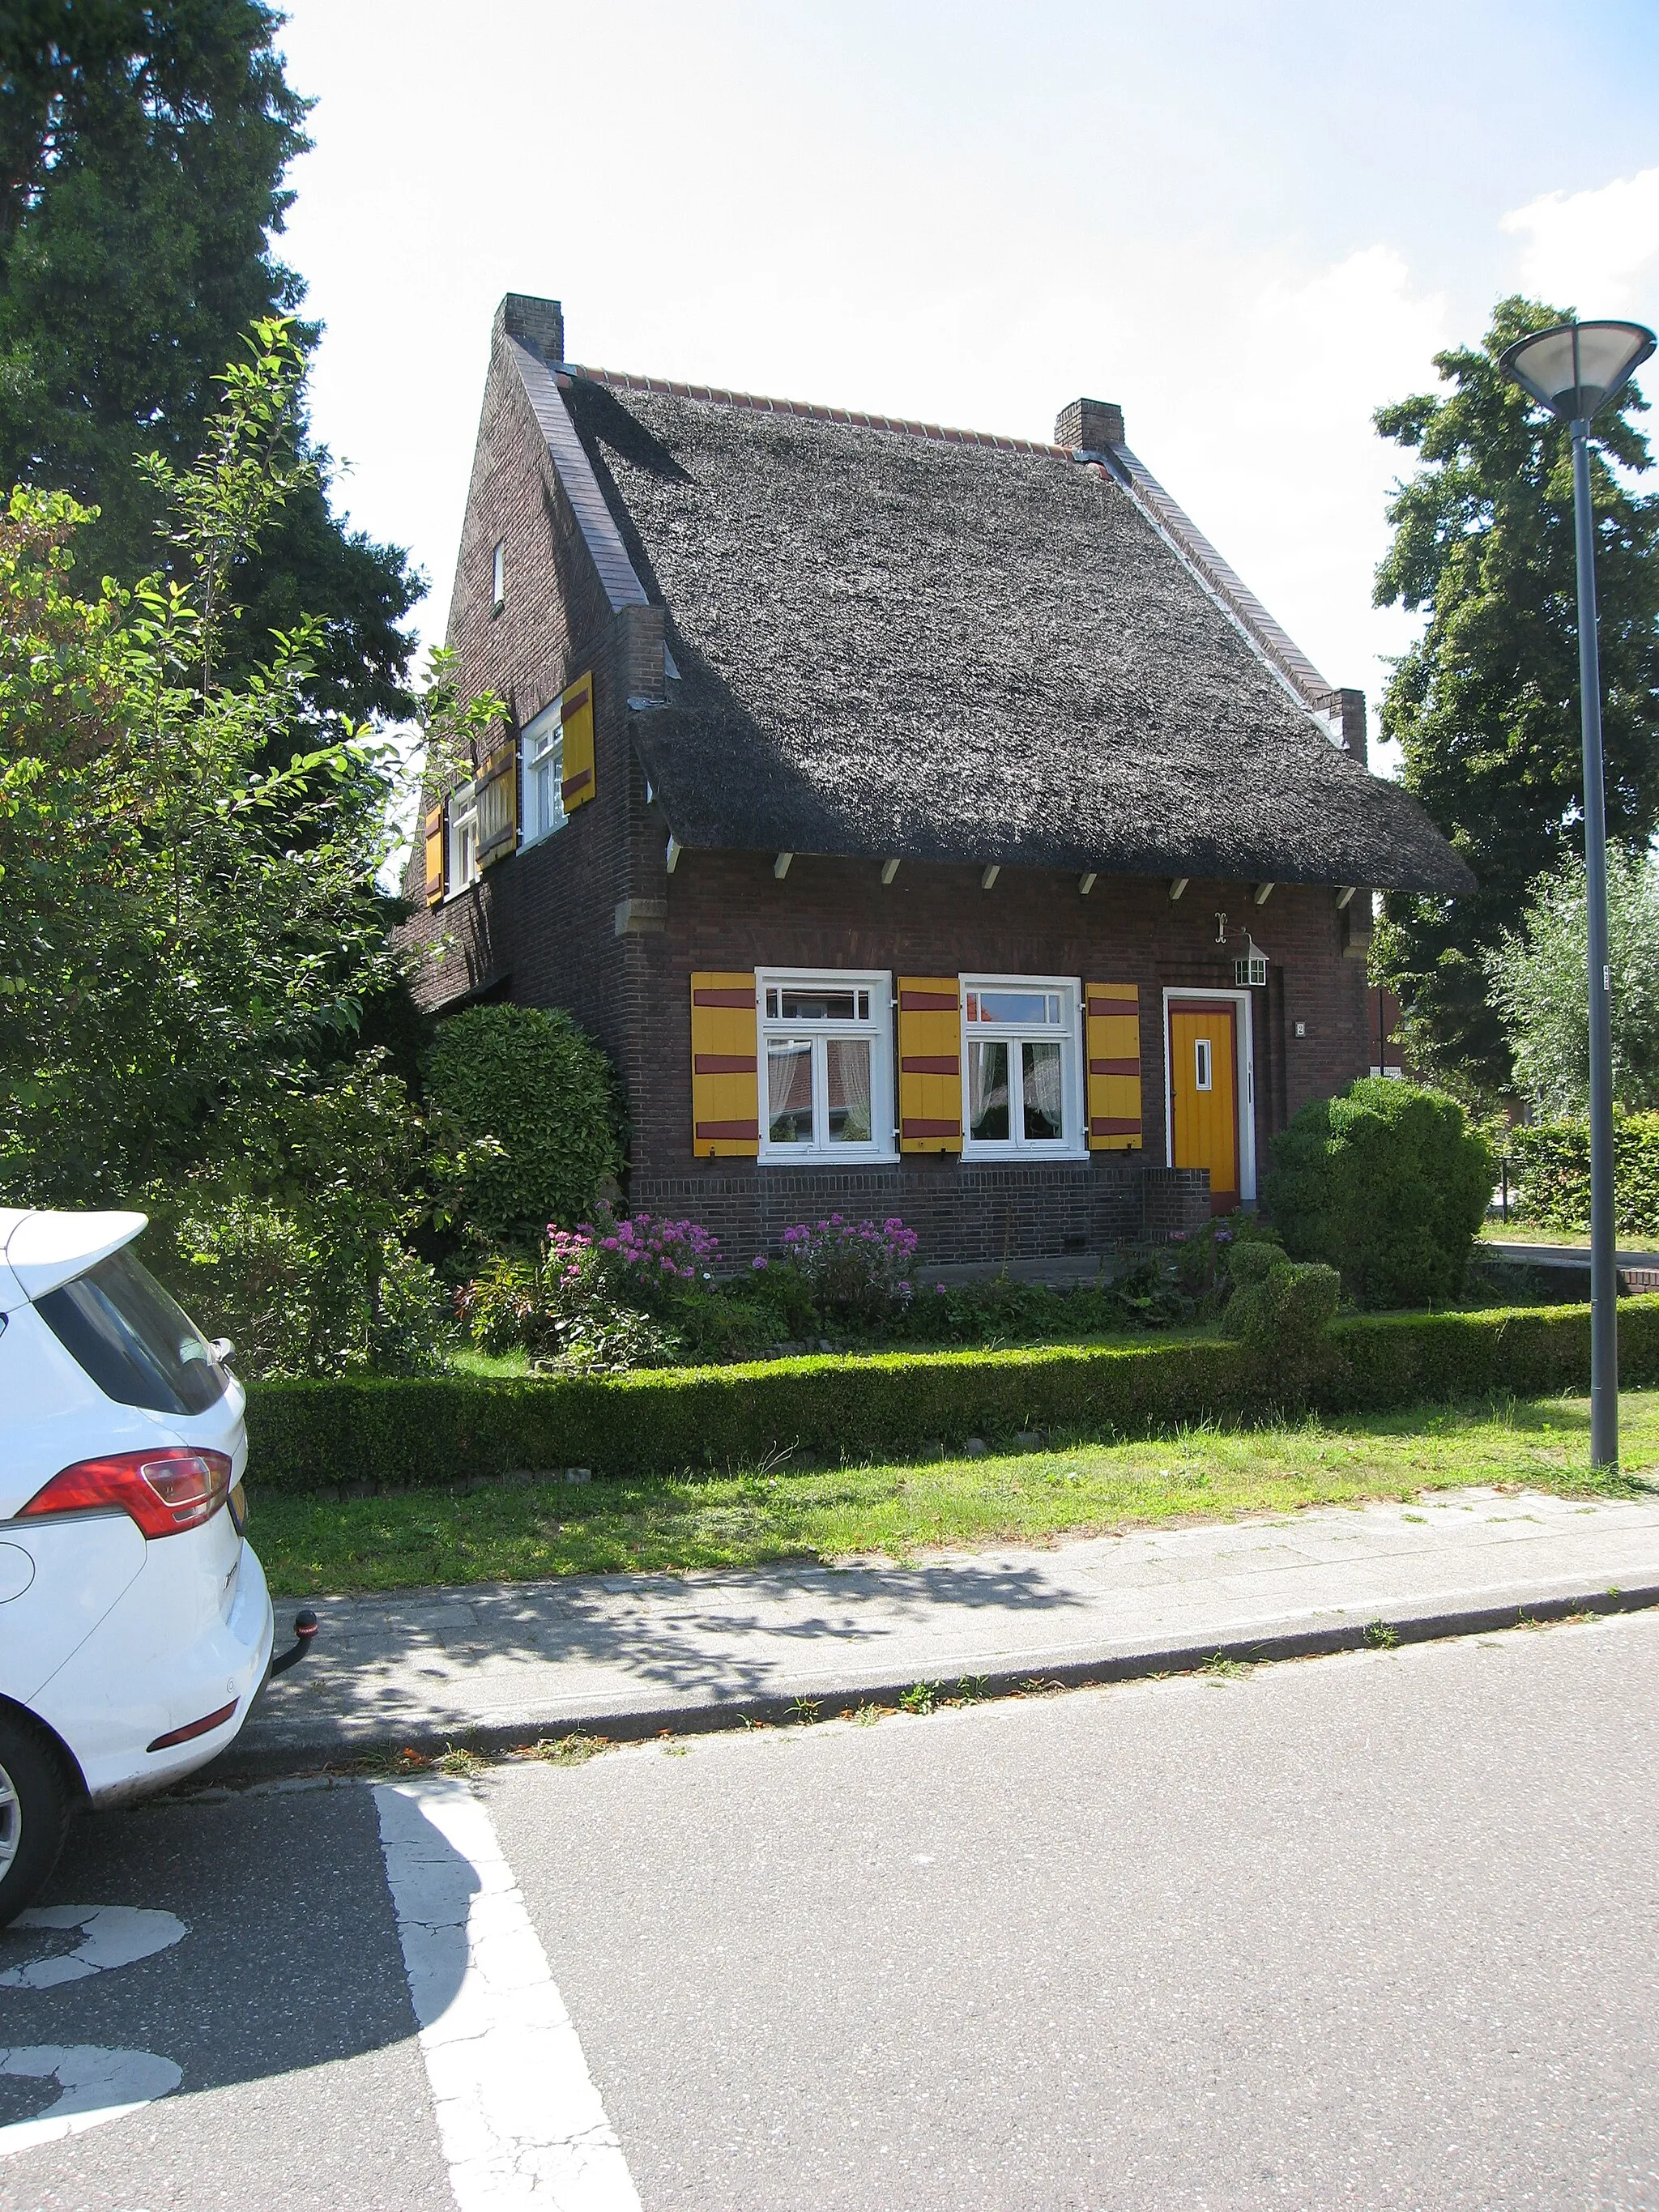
(1376,1930)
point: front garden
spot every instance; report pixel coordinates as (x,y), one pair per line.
(555,1382)
(313,1543)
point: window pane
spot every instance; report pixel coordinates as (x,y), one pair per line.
(987,1091)
(549,804)
(847,1061)
(808,1005)
(1039,1071)
(122,1327)
(789,1090)
(1015,1006)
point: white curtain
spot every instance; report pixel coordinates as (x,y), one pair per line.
(849,1089)
(1040,1069)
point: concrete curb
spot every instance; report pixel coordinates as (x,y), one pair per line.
(299,1752)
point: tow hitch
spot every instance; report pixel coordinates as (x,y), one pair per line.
(305,1634)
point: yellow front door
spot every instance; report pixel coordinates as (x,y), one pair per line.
(1204,1094)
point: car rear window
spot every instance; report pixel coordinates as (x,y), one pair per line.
(137,1346)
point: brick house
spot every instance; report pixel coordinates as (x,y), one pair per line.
(926,823)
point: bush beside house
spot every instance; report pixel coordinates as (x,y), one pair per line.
(538,1105)
(1387,1183)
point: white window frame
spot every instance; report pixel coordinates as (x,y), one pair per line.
(1017,1145)
(498,576)
(541,752)
(1243,1077)
(878,1029)
(461,836)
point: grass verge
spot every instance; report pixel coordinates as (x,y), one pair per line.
(311,1546)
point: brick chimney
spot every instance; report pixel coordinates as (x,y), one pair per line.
(1347,710)
(538,324)
(1090,425)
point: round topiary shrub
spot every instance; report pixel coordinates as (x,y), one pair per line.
(542,1089)
(1387,1183)
(1280,1308)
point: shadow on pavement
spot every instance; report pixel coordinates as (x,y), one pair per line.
(291,1959)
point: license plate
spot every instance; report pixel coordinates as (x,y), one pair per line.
(239,1507)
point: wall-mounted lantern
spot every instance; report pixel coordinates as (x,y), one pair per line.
(1251,970)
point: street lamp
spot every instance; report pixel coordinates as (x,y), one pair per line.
(1574,370)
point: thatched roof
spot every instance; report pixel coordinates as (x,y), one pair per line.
(906,642)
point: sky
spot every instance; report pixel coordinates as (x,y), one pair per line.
(1249,223)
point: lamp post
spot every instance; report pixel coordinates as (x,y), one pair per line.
(1574,370)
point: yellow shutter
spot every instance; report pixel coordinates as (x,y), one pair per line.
(498,802)
(435,843)
(930,1064)
(1113,1027)
(576,720)
(725,1083)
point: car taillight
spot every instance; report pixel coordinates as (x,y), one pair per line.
(167,1489)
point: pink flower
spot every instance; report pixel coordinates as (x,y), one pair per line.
(759,1260)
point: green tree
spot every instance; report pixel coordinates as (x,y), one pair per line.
(143,149)
(1537,977)
(188,917)
(1485,704)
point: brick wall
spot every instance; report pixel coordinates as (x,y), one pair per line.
(539,927)
(978,1215)
(728,910)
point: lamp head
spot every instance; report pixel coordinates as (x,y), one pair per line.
(1577,368)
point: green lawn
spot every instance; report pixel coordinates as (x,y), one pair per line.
(1529,1232)
(309,1546)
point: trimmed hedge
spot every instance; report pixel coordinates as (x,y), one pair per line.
(398,1431)
(1550,1180)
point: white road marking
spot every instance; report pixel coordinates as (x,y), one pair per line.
(96,2086)
(116,1935)
(519,2120)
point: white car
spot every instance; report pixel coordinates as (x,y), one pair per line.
(135,1625)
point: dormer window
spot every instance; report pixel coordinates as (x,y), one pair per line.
(498,577)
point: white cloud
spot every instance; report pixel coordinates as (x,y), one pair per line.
(1594,251)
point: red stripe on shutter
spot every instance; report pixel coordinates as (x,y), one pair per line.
(575,701)
(724,1063)
(1114,1066)
(1115,1006)
(927,1002)
(912,1128)
(745,998)
(739,1132)
(1104,1125)
(573,784)
(923,1063)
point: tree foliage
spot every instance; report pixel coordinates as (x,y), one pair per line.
(188,914)
(1486,705)
(143,150)
(1539,979)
